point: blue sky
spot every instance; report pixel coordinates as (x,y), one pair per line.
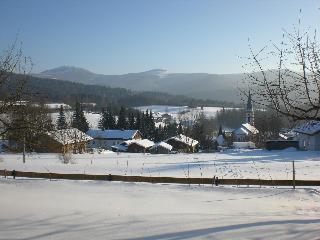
(114,37)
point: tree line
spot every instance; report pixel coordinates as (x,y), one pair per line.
(125,119)
(53,90)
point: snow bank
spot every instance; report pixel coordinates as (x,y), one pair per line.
(249,145)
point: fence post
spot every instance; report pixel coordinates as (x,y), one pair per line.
(13,174)
(293,176)
(24,150)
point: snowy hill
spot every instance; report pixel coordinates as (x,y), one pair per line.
(69,73)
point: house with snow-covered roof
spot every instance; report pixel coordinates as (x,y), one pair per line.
(105,139)
(182,143)
(160,148)
(133,146)
(245,133)
(139,146)
(308,135)
(64,140)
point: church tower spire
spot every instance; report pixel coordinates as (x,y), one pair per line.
(249,118)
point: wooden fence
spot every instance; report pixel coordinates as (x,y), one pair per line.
(109,177)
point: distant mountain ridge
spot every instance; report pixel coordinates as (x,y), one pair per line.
(51,90)
(221,87)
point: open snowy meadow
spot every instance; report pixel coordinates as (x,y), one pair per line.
(65,209)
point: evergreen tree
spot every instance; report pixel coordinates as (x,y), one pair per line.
(151,126)
(103,119)
(148,125)
(157,134)
(122,121)
(142,125)
(79,121)
(145,124)
(180,129)
(61,121)
(111,119)
(131,121)
(220,130)
(172,129)
(138,121)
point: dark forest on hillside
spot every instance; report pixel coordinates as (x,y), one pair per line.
(52,90)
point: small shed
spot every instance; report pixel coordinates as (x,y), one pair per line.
(308,135)
(161,148)
(281,144)
(182,143)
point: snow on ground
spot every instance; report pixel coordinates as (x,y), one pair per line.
(57,106)
(183,112)
(261,164)
(65,209)
(62,209)
(177,112)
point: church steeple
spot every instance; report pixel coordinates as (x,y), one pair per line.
(249,118)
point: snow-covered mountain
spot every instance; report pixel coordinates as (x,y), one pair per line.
(197,85)
(70,73)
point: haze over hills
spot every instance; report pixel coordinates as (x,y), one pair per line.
(222,87)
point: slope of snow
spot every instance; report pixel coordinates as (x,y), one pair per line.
(43,209)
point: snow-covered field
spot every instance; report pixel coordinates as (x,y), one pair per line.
(177,112)
(183,112)
(261,164)
(65,209)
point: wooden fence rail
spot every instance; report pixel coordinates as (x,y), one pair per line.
(109,177)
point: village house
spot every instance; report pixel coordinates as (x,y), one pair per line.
(182,143)
(65,140)
(105,139)
(161,148)
(139,146)
(133,146)
(308,135)
(245,133)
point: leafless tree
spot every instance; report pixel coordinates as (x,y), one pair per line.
(14,68)
(28,123)
(292,88)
